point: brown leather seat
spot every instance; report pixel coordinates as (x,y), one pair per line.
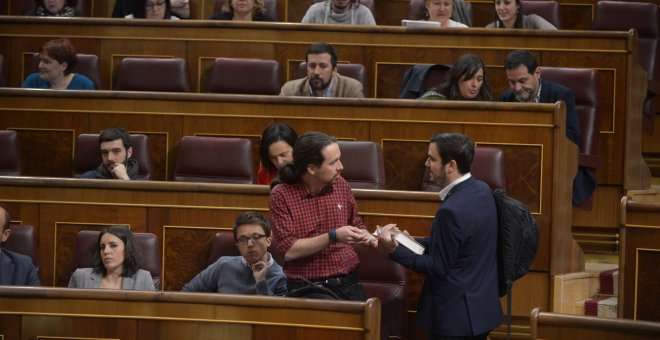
(153,74)
(585,86)
(223,244)
(271,9)
(548,10)
(3,82)
(10,156)
(487,165)
(87,155)
(237,75)
(355,71)
(87,65)
(622,16)
(147,243)
(23,240)
(415,9)
(388,281)
(363,164)
(214,159)
(370,4)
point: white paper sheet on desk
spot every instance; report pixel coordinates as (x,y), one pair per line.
(419,23)
(408,242)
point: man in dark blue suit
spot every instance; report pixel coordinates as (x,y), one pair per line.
(15,269)
(526,86)
(459,298)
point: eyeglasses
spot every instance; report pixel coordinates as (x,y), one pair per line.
(243,240)
(152,5)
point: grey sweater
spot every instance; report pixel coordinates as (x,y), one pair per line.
(321,13)
(232,275)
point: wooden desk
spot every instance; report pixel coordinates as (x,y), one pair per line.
(576,14)
(385,51)
(186,216)
(28,312)
(550,326)
(639,257)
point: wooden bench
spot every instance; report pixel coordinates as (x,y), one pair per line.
(549,326)
(26,313)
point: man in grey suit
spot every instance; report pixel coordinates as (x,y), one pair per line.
(15,269)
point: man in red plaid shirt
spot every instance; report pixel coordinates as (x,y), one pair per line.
(315,220)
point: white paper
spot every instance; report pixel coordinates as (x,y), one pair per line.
(407,242)
(410,243)
(419,23)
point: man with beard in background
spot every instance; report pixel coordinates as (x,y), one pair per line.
(116,161)
(322,78)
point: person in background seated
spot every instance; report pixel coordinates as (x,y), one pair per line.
(242,10)
(116,263)
(56,8)
(459,298)
(56,61)
(509,16)
(152,10)
(276,150)
(15,269)
(322,77)
(346,12)
(255,272)
(526,86)
(466,80)
(440,11)
(116,161)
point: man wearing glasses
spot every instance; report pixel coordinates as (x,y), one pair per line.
(255,272)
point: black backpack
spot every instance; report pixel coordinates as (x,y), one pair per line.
(517,243)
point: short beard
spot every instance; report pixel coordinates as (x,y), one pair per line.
(319,88)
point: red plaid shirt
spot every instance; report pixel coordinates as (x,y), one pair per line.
(296,214)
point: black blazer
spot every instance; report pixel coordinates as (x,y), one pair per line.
(17,269)
(584,183)
(460,292)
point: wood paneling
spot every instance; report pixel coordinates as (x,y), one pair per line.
(638,260)
(83,313)
(550,326)
(385,51)
(186,215)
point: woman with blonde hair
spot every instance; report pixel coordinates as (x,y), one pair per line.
(242,10)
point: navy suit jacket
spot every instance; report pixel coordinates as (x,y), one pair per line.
(460,294)
(17,269)
(551,93)
(584,183)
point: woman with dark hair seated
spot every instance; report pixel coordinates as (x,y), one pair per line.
(276,150)
(242,10)
(56,61)
(56,8)
(116,263)
(152,9)
(508,15)
(466,80)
